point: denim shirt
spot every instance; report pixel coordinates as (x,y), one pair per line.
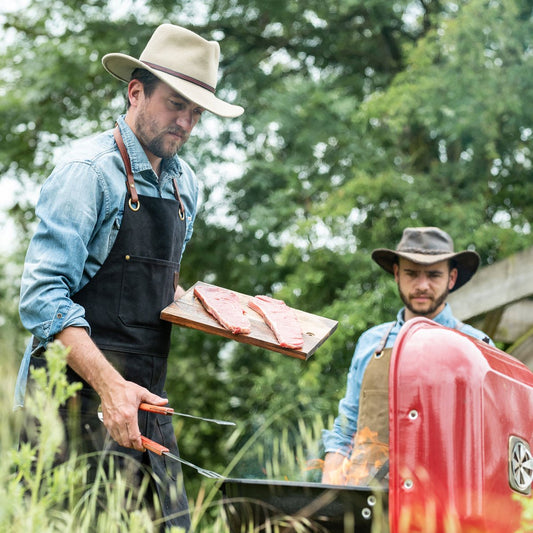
(339,439)
(80,210)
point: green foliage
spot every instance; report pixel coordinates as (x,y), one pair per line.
(362,117)
(36,494)
(527,513)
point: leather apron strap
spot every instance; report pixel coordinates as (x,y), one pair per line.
(134,198)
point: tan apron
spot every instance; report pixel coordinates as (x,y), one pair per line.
(374,395)
(371,440)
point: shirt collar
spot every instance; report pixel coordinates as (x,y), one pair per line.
(444,318)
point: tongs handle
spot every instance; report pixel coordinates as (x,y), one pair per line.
(161,409)
(154,446)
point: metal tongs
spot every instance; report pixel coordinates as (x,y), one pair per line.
(159,449)
(163,410)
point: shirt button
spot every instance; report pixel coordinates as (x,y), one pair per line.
(59,315)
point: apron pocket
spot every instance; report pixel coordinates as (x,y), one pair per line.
(146,289)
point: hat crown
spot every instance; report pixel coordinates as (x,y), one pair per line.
(182,51)
(430,240)
(183,60)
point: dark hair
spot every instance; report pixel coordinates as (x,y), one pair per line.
(148,80)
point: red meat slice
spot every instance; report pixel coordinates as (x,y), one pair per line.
(225,306)
(281,320)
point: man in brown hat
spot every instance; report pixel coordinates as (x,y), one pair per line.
(426,269)
(115,217)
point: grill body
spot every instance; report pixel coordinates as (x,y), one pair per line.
(459,410)
(460,425)
(321,508)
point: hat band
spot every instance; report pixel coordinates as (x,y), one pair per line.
(180,75)
(424,252)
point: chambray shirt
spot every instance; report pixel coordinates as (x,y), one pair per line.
(339,439)
(80,210)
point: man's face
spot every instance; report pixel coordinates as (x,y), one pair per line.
(162,122)
(424,288)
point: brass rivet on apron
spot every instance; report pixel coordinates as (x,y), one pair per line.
(59,315)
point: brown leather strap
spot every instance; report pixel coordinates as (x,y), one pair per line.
(381,346)
(181,210)
(125,157)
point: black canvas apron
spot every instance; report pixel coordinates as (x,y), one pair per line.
(122,304)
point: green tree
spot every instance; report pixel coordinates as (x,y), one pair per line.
(361,118)
(344,151)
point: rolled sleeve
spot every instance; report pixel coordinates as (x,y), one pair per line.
(56,259)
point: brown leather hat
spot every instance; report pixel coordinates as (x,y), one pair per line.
(427,246)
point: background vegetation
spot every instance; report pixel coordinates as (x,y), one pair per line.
(362,117)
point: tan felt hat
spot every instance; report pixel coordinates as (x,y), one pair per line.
(183,60)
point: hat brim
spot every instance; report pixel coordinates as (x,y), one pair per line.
(467,262)
(121,66)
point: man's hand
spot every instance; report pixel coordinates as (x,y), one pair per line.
(179,292)
(333,473)
(120,407)
(120,398)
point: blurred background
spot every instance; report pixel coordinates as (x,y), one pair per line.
(362,118)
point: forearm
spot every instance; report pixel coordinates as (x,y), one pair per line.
(89,362)
(120,398)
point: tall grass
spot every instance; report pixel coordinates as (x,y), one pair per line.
(38,496)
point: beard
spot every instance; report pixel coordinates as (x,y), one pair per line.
(430,308)
(155,140)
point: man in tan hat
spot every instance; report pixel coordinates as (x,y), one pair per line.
(426,269)
(115,217)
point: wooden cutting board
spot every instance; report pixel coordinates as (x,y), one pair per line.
(190,313)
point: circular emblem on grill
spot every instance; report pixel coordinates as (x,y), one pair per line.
(520,465)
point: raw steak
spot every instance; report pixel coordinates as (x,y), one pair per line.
(225,306)
(281,320)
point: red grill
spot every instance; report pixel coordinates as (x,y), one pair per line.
(460,415)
